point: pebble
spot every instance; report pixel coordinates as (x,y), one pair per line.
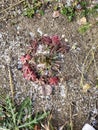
(78,7)
(18,27)
(0,35)
(82,21)
(55,14)
(95,1)
(63,93)
(63,35)
(66,40)
(19,67)
(39,31)
(32,35)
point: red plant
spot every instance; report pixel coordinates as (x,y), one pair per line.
(30,76)
(25,58)
(47,40)
(52,65)
(55,40)
(26,68)
(34,45)
(33,76)
(53,80)
(63,49)
(28,73)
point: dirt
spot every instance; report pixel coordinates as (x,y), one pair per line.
(15,34)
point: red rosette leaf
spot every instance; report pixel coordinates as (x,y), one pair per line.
(33,76)
(26,68)
(28,57)
(22,59)
(46,40)
(53,80)
(25,58)
(34,45)
(56,40)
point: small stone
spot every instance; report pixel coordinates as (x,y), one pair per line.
(82,21)
(31,34)
(39,31)
(86,87)
(62,92)
(18,28)
(66,40)
(68,3)
(78,7)
(63,35)
(0,35)
(95,1)
(19,67)
(74,46)
(56,14)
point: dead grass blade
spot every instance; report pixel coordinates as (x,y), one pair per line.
(11,82)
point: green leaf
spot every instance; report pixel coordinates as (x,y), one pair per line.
(1,128)
(63,11)
(35,120)
(83,4)
(41,12)
(24,105)
(84,28)
(29,12)
(11,110)
(69,12)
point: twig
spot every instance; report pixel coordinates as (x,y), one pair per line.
(71,122)
(12,6)
(82,74)
(96,69)
(82,77)
(11,82)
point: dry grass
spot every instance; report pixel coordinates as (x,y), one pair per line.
(88,62)
(11,4)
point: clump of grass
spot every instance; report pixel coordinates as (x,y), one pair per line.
(84,28)
(69,12)
(33,8)
(94,10)
(80,7)
(84,10)
(29,12)
(14,117)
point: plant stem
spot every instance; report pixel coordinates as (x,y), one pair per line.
(35,121)
(12,6)
(3,128)
(11,83)
(27,124)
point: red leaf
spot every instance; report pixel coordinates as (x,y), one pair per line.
(53,81)
(55,40)
(47,40)
(25,58)
(30,76)
(28,57)
(22,59)
(33,77)
(28,73)
(34,44)
(27,76)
